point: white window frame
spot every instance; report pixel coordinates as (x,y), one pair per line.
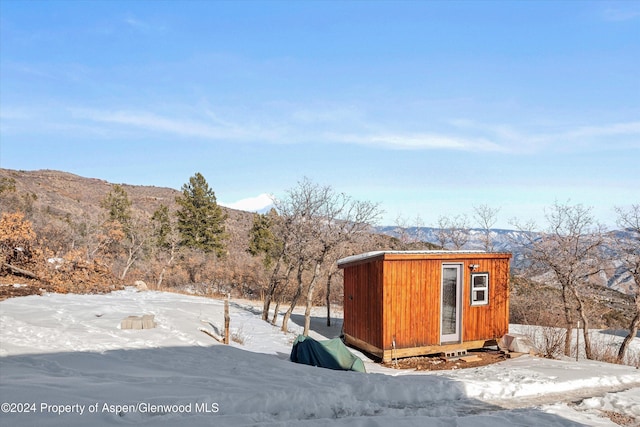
(475,290)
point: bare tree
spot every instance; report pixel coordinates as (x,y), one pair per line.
(135,242)
(290,244)
(300,210)
(273,237)
(419,236)
(453,230)
(459,231)
(401,229)
(486,217)
(348,224)
(411,235)
(132,225)
(169,254)
(318,222)
(165,240)
(570,251)
(100,238)
(442,236)
(628,254)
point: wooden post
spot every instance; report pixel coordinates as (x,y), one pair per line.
(226,319)
(578,341)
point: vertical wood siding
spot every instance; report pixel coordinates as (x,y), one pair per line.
(411,303)
(363,302)
(389,298)
(491,320)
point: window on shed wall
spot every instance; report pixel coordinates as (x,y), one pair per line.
(479,288)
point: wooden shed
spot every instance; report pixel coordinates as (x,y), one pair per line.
(409,303)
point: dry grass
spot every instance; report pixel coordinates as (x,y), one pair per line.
(604,348)
(237,336)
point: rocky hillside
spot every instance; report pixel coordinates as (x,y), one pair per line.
(69,196)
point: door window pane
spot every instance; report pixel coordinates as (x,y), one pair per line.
(449,300)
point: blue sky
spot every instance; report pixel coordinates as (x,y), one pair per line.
(426,107)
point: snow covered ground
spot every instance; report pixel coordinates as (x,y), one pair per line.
(64,361)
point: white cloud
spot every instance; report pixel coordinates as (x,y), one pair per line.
(509,138)
(615,129)
(418,141)
(157,123)
(462,135)
(251,204)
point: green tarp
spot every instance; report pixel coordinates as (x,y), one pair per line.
(332,354)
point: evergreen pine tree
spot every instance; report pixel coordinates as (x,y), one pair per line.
(162,226)
(200,219)
(262,240)
(118,206)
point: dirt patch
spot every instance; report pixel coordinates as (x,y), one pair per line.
(439,363)
(621,419)
(615,417)
(74,281)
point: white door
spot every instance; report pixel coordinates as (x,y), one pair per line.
(450,308)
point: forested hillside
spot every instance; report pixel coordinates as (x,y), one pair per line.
(67,214)
(75,224)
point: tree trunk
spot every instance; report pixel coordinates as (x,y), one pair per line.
(164,269)
(294,300)
(567,339)
(287,314)
(633,331)
(134,249)
(126,267)
(307,311)
(568,322)
(267,298)
(275,312)
(161,278)
(16,270)
(585,322)
(586,336)
(329,299)
(273,284)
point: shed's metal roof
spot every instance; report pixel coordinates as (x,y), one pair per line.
(374,254)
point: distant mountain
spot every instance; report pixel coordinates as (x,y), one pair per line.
(514,242)
(503,240)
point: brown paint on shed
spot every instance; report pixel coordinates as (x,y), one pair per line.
(396,297)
